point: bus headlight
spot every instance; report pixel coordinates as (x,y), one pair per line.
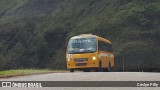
(94,58)
(68,59)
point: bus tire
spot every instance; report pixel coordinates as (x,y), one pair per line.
(107,69)
(99,67)
(71,70)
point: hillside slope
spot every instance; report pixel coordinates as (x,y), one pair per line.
(33,33)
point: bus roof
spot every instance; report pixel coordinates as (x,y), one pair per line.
(105,40)
(91,36)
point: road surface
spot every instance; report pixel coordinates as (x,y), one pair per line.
(89,76)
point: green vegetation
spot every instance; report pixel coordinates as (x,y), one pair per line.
(33,33)
(18,72)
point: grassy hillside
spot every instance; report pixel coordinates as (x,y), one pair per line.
(33,33)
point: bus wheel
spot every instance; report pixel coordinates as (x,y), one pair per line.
(71,70)
(108,68)
(100,67)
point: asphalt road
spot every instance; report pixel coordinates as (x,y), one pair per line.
(89,76)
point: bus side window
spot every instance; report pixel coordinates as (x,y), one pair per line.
(102,46)
(109,48)
(99,46)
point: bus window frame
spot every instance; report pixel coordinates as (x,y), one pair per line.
(106,47)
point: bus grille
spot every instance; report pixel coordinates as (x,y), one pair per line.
(81,64)
(80,59)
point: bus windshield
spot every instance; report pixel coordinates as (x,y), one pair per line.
(82,45)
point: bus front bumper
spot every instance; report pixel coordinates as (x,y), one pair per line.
(82,65)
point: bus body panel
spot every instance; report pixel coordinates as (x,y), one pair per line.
(106,58)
